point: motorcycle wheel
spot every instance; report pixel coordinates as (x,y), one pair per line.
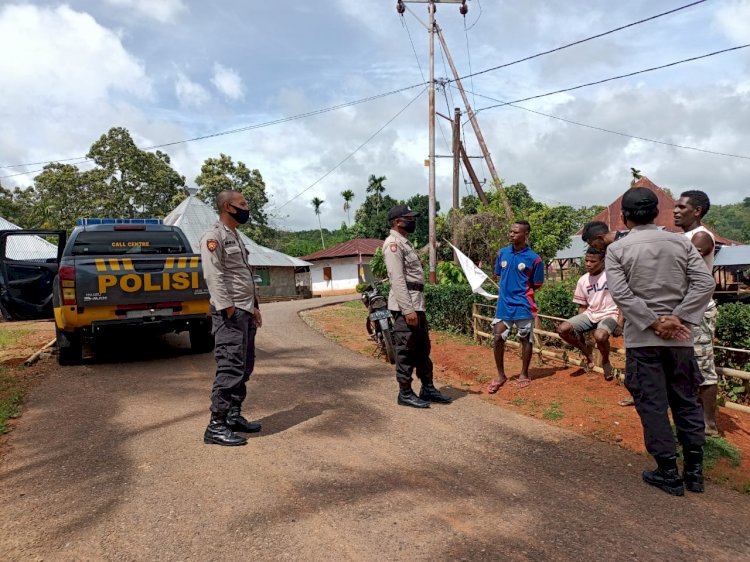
(389,345)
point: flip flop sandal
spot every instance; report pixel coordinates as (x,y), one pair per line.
(494,386)
(626,402)
(521,383)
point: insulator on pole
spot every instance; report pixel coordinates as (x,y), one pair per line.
(464,9)
(400,8)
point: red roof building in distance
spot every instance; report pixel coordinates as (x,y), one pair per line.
(350,248)
(612,215)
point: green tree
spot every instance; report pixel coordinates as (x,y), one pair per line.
(421,204)
(8,208)
(62,194)
(731,221)
(376,188)
(219,174)
(372,217)
(348,195)
(317,202)
(130,182)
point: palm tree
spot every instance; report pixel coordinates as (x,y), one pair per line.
(348,195)
(317,202)
(376,187)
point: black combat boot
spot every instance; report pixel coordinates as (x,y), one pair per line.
(666,476)
(236,422)
(431,394)
(406,397)
(218,433)
(693,472)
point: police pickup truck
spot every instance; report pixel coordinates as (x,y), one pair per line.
(122,274)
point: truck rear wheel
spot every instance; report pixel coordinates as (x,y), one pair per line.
(201,339)
(69,348)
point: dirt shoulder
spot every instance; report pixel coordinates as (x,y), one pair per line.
(561,396)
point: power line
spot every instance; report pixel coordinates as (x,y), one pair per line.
(375,134)
(581,41)
(230,131)
(356,102)
(628,75)
(619,133)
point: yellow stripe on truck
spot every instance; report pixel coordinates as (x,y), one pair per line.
(100,265)
(67,318)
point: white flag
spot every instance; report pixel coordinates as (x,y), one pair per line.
(474,275)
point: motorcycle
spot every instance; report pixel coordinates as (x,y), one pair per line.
(379,321)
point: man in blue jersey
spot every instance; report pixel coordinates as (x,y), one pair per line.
(520,272)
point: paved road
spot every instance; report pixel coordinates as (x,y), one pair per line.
(108,464)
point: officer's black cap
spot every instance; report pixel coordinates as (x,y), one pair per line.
(401,211)
(639,199)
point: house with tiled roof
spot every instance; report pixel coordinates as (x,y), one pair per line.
(337,270)
(612,215)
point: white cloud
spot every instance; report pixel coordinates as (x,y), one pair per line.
(228,82)
(163,11)
(734,20)
(189,93)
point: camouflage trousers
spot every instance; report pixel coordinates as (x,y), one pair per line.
(703,343)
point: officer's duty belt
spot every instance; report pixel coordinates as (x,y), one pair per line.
(415,287)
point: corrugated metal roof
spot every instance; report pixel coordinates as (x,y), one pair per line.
(354,247)
(576,249)
(194,217)
(729,256)
(27,247)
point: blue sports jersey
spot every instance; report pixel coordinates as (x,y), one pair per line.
(521,273)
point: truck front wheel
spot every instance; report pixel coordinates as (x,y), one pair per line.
(69,348)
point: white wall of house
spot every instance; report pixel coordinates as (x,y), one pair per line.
(344,275)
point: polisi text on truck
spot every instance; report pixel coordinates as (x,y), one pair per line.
(135,282)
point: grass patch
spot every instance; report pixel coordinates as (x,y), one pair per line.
(554,412)
(718,447)
(481,379)
(518,401)
(10,399)
(10,337)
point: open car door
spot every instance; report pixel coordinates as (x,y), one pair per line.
(29,261)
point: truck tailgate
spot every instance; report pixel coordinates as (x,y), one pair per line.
(138,279)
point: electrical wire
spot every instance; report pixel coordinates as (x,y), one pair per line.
(581,41)
(619,133)
(231,131)
(352,153)
(355,102)
(476,21)
(619,77)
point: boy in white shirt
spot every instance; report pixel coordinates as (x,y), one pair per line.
(596,311)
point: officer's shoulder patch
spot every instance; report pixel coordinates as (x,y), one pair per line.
(393,247)
(212,245)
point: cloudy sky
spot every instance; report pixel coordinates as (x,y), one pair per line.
(170,70)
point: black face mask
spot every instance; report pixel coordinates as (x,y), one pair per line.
(409,226)
(240,215)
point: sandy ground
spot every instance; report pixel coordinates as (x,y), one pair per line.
(107,463)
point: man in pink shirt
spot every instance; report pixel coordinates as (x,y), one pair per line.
(596,311)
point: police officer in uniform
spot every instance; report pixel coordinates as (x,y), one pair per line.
(235,317)
(407,305)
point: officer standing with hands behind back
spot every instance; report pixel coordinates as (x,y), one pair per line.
(406,303)
(235,317)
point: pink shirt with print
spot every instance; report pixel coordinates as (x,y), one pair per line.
(592,291)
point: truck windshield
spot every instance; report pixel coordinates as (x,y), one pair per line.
(128,242)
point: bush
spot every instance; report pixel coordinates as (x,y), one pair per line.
(555,298)
(449,307)
(733,330)
(360,288)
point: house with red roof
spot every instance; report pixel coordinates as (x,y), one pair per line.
(337,270)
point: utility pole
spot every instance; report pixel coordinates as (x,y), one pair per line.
(456,171)
(431,30)
(475,126)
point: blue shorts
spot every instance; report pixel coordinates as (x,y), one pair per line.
(523,327)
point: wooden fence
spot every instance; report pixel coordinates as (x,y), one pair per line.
(483,314)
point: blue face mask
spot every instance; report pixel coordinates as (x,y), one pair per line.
(240,215)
